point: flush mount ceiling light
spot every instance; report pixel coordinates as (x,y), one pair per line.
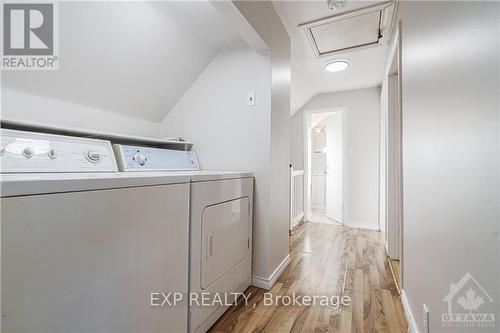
(336,65)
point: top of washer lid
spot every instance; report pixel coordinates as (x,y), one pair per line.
(22,152)
(139,158)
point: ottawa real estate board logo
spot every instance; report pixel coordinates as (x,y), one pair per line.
(30,35)
(469,306)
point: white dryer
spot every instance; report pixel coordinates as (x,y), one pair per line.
(221,210)
(84,246)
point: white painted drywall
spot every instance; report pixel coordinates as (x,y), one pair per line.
(450,87)
(308,76)
(363,141)
(262,16)
(18,105)
(133,58)
(228,134)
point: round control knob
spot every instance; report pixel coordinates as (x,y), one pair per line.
(28,152)
(93,156)
(140,158)
(52,154)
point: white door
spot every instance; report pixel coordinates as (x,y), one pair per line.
(225,239)
(334,175)
(318,191)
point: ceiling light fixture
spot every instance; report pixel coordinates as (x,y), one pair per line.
(336,65)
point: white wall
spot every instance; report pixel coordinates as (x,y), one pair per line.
(450,88)
(363,141)
(262,16)
(135,58)
(214,114)
(17,105)
(228,134)
(123,72)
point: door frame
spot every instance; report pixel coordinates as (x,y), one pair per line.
(307,149)
(395,54)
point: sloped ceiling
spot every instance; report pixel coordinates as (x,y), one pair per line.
(308,76)
(132,58)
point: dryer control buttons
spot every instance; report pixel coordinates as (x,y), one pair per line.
(140,158)
(28,152)
(93,156)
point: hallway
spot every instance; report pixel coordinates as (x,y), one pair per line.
(326,260)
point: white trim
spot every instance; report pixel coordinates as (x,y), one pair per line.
(382,8)
(267,283)
(306,133)
(410,318)
(392,51)
(296,221)
(360,225)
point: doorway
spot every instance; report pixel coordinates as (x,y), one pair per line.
(325,165)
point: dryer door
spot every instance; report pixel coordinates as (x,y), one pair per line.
(225,239)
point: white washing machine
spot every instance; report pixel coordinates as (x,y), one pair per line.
(84,246)
(221,210)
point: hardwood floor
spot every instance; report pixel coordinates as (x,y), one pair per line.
(332,260)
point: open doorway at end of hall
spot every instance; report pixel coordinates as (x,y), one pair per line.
(325,165)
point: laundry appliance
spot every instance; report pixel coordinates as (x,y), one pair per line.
(221,210)
(85,246)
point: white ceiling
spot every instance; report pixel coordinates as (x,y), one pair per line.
(308,76)
(134,58)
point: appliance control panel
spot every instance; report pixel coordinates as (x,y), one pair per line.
(22,151)
(137,158)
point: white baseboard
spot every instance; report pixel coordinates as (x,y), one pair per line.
(359,225)
(267,283)
(410,318)
(296,221)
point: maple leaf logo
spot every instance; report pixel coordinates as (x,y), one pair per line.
(470,301)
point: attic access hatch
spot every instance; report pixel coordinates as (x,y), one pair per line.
(352,30)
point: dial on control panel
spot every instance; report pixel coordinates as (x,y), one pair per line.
(28,152)
(52,154)
(93,156)
(140,158)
